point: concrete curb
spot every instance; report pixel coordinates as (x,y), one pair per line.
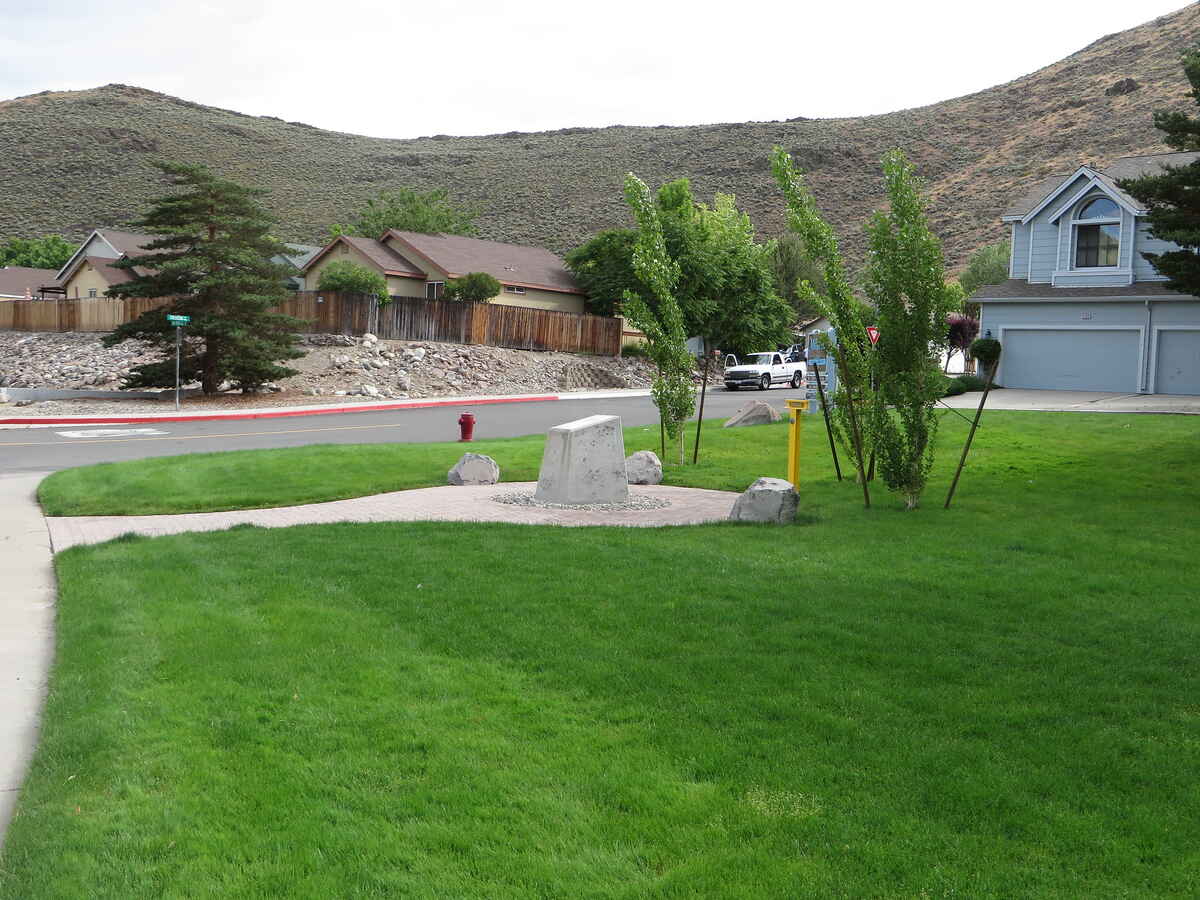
(26,631)
(283,411)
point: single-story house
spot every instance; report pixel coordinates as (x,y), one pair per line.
(1082,308)
(419,265)
(23,282)
(90,271)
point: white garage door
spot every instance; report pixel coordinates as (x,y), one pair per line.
(1070,359)
(1178,366)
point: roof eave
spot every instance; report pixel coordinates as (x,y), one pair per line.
(1049,198)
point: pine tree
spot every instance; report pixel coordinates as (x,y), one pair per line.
(212,255)
(1172,199)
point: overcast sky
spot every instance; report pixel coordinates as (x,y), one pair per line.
(406,69)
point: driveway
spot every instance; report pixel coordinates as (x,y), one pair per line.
(1081,401)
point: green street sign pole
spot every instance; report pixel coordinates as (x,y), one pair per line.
(178,322)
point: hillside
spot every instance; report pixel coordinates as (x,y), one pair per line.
(73,160)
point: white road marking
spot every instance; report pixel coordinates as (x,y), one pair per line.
(110,432)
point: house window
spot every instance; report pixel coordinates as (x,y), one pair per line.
(434,289)
(91,292)
(513,289)
(1098,234)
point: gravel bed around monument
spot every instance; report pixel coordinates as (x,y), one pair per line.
(635,502)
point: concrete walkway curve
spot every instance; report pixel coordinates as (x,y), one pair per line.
(27,593)
(472,503)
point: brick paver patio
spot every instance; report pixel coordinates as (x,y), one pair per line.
(688,506)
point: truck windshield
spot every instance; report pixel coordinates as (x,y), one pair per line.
(758,359)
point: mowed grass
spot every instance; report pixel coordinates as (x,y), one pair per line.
(999,700)
(252,479)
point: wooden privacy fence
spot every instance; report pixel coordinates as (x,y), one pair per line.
(494,324)
(404,319)
(85,314)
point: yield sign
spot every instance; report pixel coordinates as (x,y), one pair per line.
(873,334)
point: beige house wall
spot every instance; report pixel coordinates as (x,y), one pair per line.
(538,299)
(85,278)
(405,287)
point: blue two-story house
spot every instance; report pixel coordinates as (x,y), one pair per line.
(1082,308)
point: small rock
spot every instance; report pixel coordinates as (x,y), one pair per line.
(643,467)
(369,339)
(369,390)
(767,500)
(474,468)
(756,412)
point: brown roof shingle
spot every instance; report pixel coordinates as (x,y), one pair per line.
(508,263)
(14,280)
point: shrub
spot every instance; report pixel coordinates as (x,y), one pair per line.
(986,350)
(971,382)
(344,275)
(637,351)
(474,287)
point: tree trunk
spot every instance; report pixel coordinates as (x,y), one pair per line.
(210,378)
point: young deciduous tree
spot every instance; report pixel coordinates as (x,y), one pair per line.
(792,266)
(474,287)
(987,265)
(48,252)
(408,210)
(1172,199)
(852,348)
(347,275)
(663,326)
(213,258)
(905,278)
(603,266)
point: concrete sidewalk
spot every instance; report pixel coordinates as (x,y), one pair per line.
(1080,401)
(27,592)
(469,503)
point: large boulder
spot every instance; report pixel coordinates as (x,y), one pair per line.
(584,462)
(474,468)
(767,500)
(643,467)
(756,412)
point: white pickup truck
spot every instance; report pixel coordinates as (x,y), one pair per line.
(761,370)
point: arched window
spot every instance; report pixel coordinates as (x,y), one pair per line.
(1097,234)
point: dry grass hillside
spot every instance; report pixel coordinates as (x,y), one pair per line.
(73,160)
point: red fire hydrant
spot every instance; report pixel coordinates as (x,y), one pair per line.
(466,425)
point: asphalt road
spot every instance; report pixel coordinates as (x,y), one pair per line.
(65,446)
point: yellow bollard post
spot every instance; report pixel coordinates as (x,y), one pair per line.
(796,408)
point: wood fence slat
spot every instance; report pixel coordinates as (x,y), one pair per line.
(403,319)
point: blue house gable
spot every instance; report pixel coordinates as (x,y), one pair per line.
(1082,230)
(1083,308)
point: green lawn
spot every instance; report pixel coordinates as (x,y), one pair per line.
(999,700)
(250,479)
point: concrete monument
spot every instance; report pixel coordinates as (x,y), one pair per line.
(584,462)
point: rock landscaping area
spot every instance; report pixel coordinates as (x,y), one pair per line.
(335,368)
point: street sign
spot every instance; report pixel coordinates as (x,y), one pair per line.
(873,334)
(179,320)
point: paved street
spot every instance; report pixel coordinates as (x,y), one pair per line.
(49,448)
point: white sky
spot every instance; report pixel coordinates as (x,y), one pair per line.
(406,69)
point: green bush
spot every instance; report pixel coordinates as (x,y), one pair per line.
(971,382)
(345,275)
(635,351)
(474,287)
(952,387)
(986,350)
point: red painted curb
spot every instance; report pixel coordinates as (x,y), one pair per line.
(273,414)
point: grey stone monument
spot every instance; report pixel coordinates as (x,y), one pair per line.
(584,462)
